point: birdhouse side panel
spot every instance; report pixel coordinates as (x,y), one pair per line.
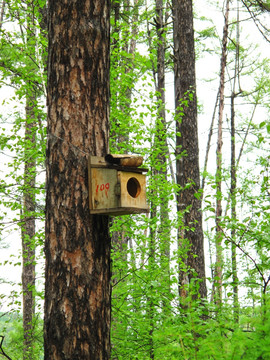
(103,187)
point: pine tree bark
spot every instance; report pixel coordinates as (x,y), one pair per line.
(187,147)
(77,244)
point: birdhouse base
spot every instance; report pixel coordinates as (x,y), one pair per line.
(119,211)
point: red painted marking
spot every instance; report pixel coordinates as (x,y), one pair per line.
(103,187)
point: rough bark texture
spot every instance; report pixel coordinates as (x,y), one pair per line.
(77,247)
(187,151)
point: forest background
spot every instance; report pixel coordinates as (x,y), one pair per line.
(156,311)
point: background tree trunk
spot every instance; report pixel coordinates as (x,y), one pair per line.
(164,230)
(187,147)
(217,291)
(77,245)
(2,12)
(233,214)
(28,231)
(235,279)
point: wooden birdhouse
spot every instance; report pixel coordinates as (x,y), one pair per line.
(117,185)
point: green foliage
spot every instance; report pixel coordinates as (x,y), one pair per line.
(147,318)
(11,326)
(22,141)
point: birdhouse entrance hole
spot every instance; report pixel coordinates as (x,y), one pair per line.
(133,187)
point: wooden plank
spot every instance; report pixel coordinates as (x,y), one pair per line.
(122,168)
(118,211)
(99,162)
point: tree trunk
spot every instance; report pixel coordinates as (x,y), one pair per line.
(77,244)
(2,12)
(28,231)
(150,298)
(28,213)
(233,214)
(187,148)
(161,147)
(233,175)
(219,235)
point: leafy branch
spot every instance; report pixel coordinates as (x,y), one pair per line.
(262,275)
(1,348)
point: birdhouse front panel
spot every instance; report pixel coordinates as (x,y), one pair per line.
(133,194)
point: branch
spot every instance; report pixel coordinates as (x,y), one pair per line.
(209,141)
(1,348)
(255,18)
(237,244)
(17,73)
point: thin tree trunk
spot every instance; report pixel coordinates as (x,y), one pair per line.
(150,305)
(219,235)
(28,231)
(209,142)
(2,13)
(77,244)
(28,213)
(190,234)
(233,214)
(162,146)
(233,176)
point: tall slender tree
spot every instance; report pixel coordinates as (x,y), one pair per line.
(235,92)
(2,12)
(161,143)
(77,244)
(28,230)
(190,233)
(29,198)
(217,290)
